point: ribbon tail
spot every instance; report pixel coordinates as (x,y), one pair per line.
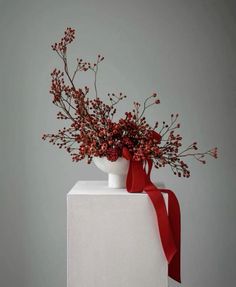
(166,235)
(175,223)
(168,222)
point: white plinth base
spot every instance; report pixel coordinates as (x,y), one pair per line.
(112,238)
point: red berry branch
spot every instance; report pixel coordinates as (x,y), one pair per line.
(93,132)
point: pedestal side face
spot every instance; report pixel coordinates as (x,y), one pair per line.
(113,241)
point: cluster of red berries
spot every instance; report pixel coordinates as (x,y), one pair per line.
(69,36)
(93,132)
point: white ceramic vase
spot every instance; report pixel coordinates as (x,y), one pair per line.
(117,170)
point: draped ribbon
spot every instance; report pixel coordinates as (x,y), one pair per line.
(138,180)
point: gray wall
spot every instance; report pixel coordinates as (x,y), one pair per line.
(186,50)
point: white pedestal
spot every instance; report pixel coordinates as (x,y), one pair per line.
(112,239)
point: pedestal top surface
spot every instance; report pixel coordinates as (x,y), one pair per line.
(96,187)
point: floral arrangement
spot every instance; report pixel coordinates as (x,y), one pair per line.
(93,131)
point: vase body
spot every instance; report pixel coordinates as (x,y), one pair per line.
(117,170)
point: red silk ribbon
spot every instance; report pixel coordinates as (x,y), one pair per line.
(138,180)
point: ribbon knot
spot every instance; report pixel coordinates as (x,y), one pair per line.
(138,180)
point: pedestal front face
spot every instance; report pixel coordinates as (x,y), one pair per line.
(113,240)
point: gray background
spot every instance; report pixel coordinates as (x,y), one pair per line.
(184,49)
